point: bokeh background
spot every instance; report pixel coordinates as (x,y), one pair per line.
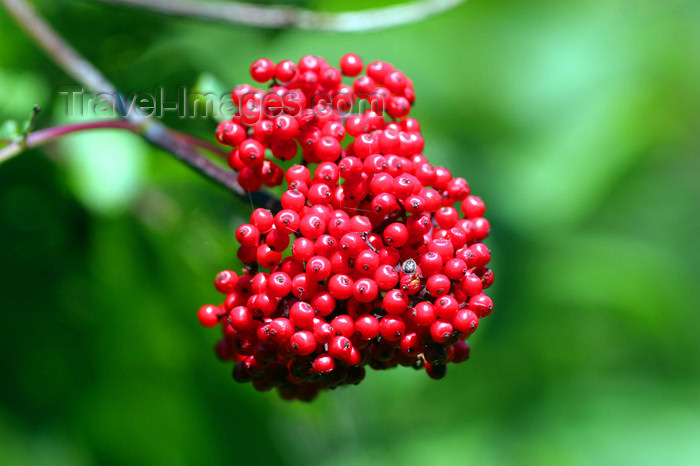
(578,124)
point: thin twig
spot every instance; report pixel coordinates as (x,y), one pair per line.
(38,138)
(152,131)
(282,16)
(202,144)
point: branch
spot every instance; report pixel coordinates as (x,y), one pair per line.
(152,131)
(44,136)
(281,16)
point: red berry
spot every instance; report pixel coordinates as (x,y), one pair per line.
(323,364)
(303,343)
(395,302)
(279,284)
(248,235)
(327,149)
(343,325)
(230,133)
(340,348)
(438,285)
(209,315)
(304,286)
(285,127)
(298,172)
(341,286)
(367,327)
(441,331)
(465,321)
(351,65)
(410,344)
(302,315)
(318,268)
(312,226)
(473,207)
(385,276)
(225,281)
(281,329)
(365,290)
(302,249)
(392,327)
(378,70)
(481,305)
(323,303)
(293,200)
(396,234)
(251,152)
(287,221)
(262,70)
(241,319)
(285,71)
(424,314)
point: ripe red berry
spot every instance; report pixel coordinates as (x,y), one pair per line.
(312,226)
(392,327)
(281,329)
(241,319)
(351,65)
(481,305)
(341,286)
(343,325)
(438,285)
(367,327)
(466,321)
(302,249)
(441,331)
(304,286)
(230,133)
(302,315)
(209,315)
(285,71)
(410,344)
(251,152)
(379,69)
(385,276)
(287,221)
(226,281)
(340,348)
(303,342)
(285,127)
(323,303)
(318,268)
(395,301)
(262,70)
(473,207)
(248,235)
(366,290)
(323,364)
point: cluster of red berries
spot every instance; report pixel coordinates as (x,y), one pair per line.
(382,271)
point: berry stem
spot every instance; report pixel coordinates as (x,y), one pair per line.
(179,145)
(284,16)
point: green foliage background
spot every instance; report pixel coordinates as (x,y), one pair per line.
(577,122)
